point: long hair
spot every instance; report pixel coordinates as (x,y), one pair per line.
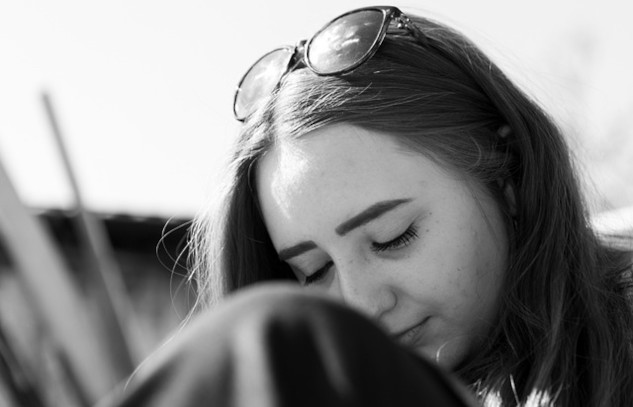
(564,330)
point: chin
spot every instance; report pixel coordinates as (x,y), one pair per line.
(449,355)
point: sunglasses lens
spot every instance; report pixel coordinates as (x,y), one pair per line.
(260,81)
(345,42)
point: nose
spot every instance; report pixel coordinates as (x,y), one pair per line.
(365,288)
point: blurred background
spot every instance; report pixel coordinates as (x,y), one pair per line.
(142,91)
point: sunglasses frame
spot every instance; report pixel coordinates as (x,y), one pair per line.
(389,14)
(299,55)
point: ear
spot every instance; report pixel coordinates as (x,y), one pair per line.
(510,196)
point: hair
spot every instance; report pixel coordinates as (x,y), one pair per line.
(565,322)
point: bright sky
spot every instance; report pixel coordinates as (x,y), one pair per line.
(143,89)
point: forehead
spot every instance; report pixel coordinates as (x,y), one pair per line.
(338,150)
(336,171)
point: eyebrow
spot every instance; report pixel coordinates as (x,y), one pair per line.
(296,250)
(369,214)
(373,212)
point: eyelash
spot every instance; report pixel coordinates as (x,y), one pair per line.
(399,242)
(319,274)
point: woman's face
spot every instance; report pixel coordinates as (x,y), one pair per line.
(389,232)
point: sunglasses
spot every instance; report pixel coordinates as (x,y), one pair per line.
(341,46)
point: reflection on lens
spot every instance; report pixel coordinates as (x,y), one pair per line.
(344,42)
(260,81)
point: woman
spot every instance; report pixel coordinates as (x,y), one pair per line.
(388,163)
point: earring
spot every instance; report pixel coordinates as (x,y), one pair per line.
(504,131)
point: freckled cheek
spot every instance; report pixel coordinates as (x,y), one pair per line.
(461,278)
(462,284)
(429,277)
(458,294)
(490,269)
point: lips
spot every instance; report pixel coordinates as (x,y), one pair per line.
(413,335)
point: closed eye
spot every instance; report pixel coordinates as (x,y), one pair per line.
(398,243)
(319,274)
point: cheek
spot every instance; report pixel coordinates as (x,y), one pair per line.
(485,276)
(457,265)
(492,255)
(436,276)
(467,274)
